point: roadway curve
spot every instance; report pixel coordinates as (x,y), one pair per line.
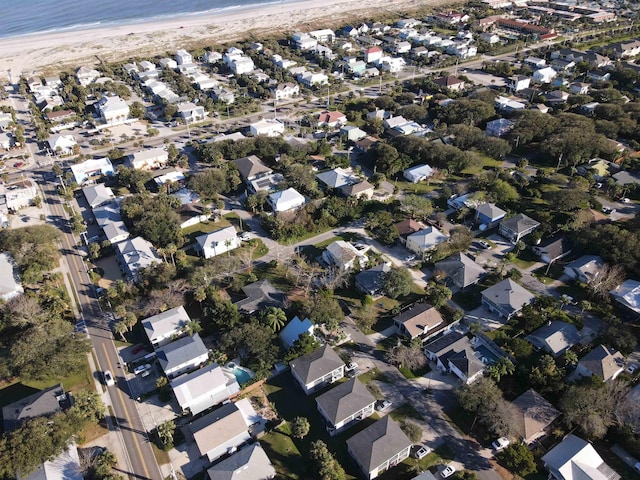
(140,462)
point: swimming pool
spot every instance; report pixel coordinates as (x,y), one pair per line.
(486,355)
(242,376)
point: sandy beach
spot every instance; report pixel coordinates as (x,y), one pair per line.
(42,53)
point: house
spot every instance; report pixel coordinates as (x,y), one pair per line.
(373,54)
(345,404)
(461,270)
(65,466)
(627,294)
(135,254)
(317,369)
(535,62)
(113,110)
(206,387)
(221,431)
(519,82)
(183,57)
(311,79)
(553,248)
(286,200)
(625,178)
(534,415)
(87,75)
(190,112)
(98,195)
(337,177)
(260,294)
(450,83)
(455,353)
(407,227)
(359,190)
(585,269)
(517,227)
(629,48)
(251,167)
(268,127)
(425,240)
(90,169)
(370,281)
(489,215)
(418,173)
(333,119)
(44,403)
(10,285)
(217,242)
(62,144)
(576,459)
(303,41)
(598,75)
(148,159)
(544,75)
(285,90)
(555,338)
(499,127)
(602,362)
(294,329)
(352,134)
(248,463)
(418,321)
(506,298)
(115,232)
(268,183)
(163,327)
(490,38)
(344,255)
(192,213)
(579,88)
(379,447)
(18,194)
(182,356)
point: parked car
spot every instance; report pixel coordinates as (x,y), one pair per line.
(350,366)
(382,405)
(18,164)
(421,452)
(448,471)
(410,258)
(632,368)
(636,467)
(501,443)
(141,368)
(108,378)
(484,244)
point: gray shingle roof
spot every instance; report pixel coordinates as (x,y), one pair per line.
(377,443)
(181,351)
(166,322)
(259,295)
(316,364)
(344,400)
(603,362)
(250,463)
(461,269)
(508,295)
(519,223)
(43,403)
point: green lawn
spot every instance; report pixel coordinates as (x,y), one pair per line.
(417,188)
(373,374)
(411,374)
(201,228)
(283,453)
(406,411)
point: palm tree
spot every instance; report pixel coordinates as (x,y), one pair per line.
(274,318)
(192,327)
(120,328)
(171,250)
(200,295)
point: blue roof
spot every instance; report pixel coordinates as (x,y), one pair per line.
(294,329)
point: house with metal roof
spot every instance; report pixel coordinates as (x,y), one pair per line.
(379,447)
(286,200)
(627,294)
(506,298)
(317,369)
(417,173)
(161,328)
(534,415)
(217,242)
(248,463)
(294,329)
(206,387)
(182,355)
(576,459)
(135,254)
(585,269)
(424,240)
(148,159)
(461,270)
(555,338)
(345,404)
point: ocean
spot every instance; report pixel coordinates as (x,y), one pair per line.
(38,16)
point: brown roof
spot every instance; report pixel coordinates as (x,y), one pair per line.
(60,114)
(603,362)
(533,415)
(419,318)
(356,188)
(408,226)
(447,81)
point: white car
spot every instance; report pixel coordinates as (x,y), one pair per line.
(421,452)
(448,471)
(350,366)
(382,405)
(501,443)
(141,368)
(108,378)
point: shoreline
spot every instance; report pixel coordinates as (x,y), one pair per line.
(38,53)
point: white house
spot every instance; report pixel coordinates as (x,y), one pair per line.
(135,254)
(200,390)
(576,459)
(148,159)
(286,200)
(268,126)
(344,255)
(425,240)
(317,369)
(182,355)
(161,328)
(98,195)
(217,242)
(373,54)
(183,57)
(10,285)
(285,90)
(499,127)
(17,194)
(113,110)
(418,173)
(242,65)
(311,79)
(345,405)
(190,112)
(90,169)
(62,144)
(545,75)
(519,82)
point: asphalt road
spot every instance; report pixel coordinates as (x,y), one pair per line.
(140,459)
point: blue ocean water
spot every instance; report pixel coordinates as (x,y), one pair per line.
(37,16)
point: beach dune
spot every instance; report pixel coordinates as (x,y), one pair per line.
(38,53)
